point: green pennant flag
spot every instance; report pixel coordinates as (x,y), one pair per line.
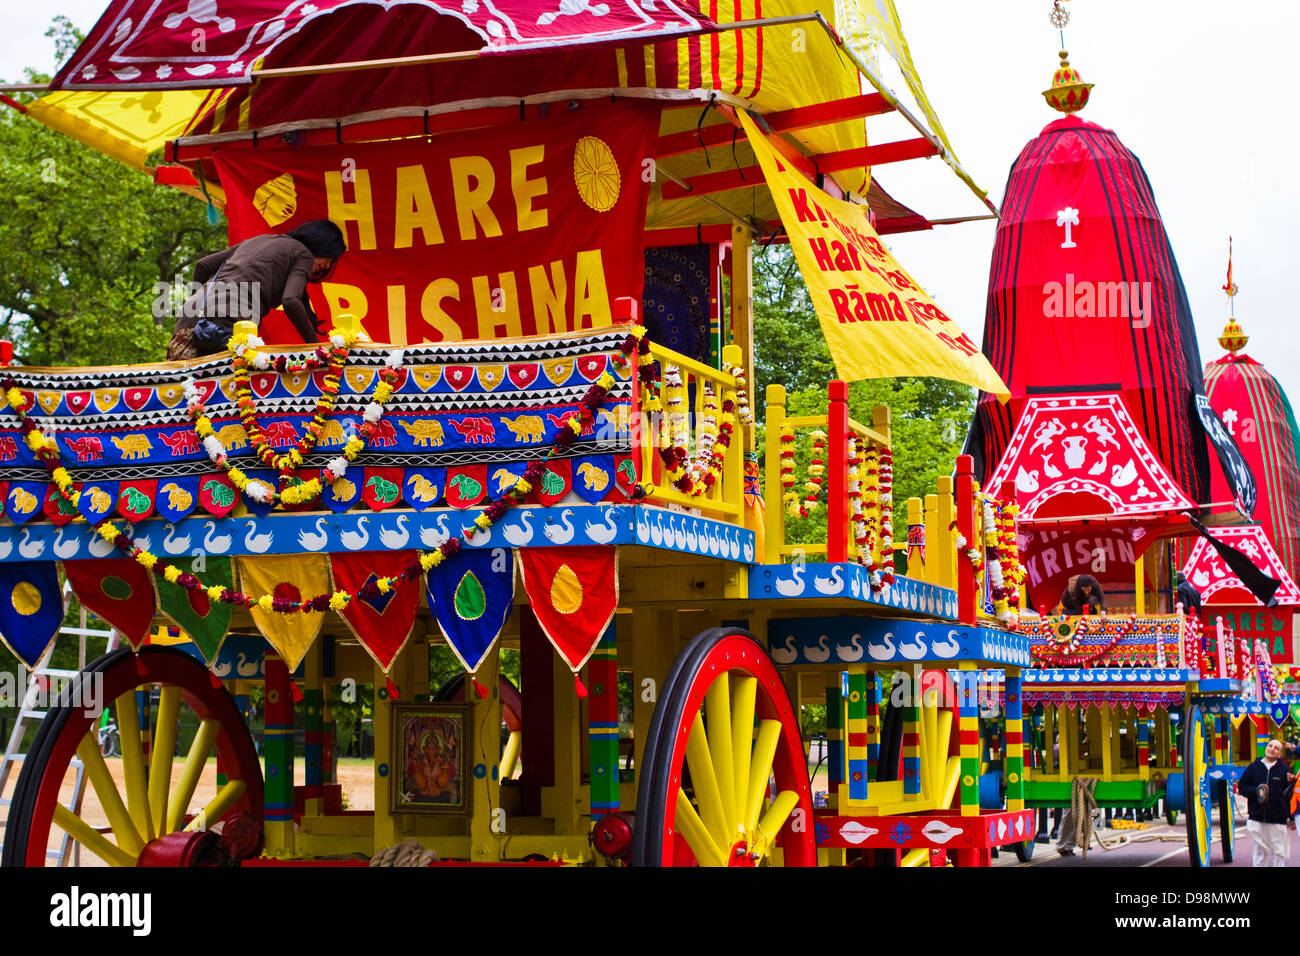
(204,620)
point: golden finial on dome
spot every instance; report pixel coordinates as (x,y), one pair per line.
(1232,338)
(1068,93)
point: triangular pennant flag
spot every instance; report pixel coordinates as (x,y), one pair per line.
(382,488)
(97,500)
(31,609)
(177,497)
(203,619)
(24,500)
(625,474)
(574,594)
(260,508)
(118,590)
(424,486)
(218,495)
(342,493)
(466,486)
(382,621)
(292,578)
(58,508)
(594,477)
(1259,584)
(557,480)
(471,595)
(135,499)
(504,477)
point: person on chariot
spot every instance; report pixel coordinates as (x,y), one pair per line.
(1083,591)
(1187,595)
(249,279)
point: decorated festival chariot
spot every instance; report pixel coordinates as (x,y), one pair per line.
(529,427)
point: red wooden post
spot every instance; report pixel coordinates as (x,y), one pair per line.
(964,493)
(6,352)
(837,472)
(626,309)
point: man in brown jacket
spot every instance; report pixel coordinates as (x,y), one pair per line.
(248,280)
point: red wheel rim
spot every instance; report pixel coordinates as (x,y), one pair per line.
(739,654)
(151,666)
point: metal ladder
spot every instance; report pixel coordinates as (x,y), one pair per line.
(29,714)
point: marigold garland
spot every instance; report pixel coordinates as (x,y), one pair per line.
(886,517)
(46,450)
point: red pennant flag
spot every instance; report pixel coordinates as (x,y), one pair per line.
(117,589)
(135,499)
(556,483)
(382,622)
(466,486)
(574,594)
(382,488)
(218,495)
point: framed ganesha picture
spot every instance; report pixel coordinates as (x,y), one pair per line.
(430,758)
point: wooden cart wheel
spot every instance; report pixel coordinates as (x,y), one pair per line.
(1196,786)
(707,765)
(1227,824)
(512,715)
(149,805)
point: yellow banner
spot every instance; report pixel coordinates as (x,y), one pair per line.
(877,321)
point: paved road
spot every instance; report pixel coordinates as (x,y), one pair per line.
(1159,845)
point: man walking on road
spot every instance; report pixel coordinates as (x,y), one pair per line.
(1267,789)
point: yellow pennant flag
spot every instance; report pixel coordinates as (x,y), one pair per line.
(877,321)
(297,578)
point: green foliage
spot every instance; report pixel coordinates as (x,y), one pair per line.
(85,240)
(929,417)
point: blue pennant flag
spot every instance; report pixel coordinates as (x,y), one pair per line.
(424,487)
(31,608)
(502,477)
(25,500)
(261,508)
(339,496)
(593,479)
(471,595)
(177,497)
(98,498)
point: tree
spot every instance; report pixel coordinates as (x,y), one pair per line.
(84,241)
(929,416)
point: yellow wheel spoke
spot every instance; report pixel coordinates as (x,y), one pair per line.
(760,768)
(137,783)
(765,836)
(218,805)
(717,708)
(743,693)
(109,799)
(197,759)
(93,841)
(696,834)
(705,781)
(510,754)
(164,748)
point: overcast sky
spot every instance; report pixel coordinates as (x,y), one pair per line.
(1198,90)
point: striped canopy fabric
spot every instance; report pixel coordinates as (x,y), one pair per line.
(1256,411)
(1085,296)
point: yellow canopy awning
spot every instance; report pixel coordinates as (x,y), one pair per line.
(127,126)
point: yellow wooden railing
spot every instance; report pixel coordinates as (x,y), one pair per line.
(725,500)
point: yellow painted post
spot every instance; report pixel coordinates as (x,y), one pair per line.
(773,506)
(968,739)
(915,569)
(486,823)
(880,423)
(742,305)
(733,468)
(1097,739)
(567,804)
(654,646)
(313,671)
(1140,585)
(389,829)
(1106,727)
(1049,740)
(934,541)
(1069,750)
(944,557)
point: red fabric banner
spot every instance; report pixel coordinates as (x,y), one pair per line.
(523,229)
(117,589)
(574,593)
(1051,558)
(381,622)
